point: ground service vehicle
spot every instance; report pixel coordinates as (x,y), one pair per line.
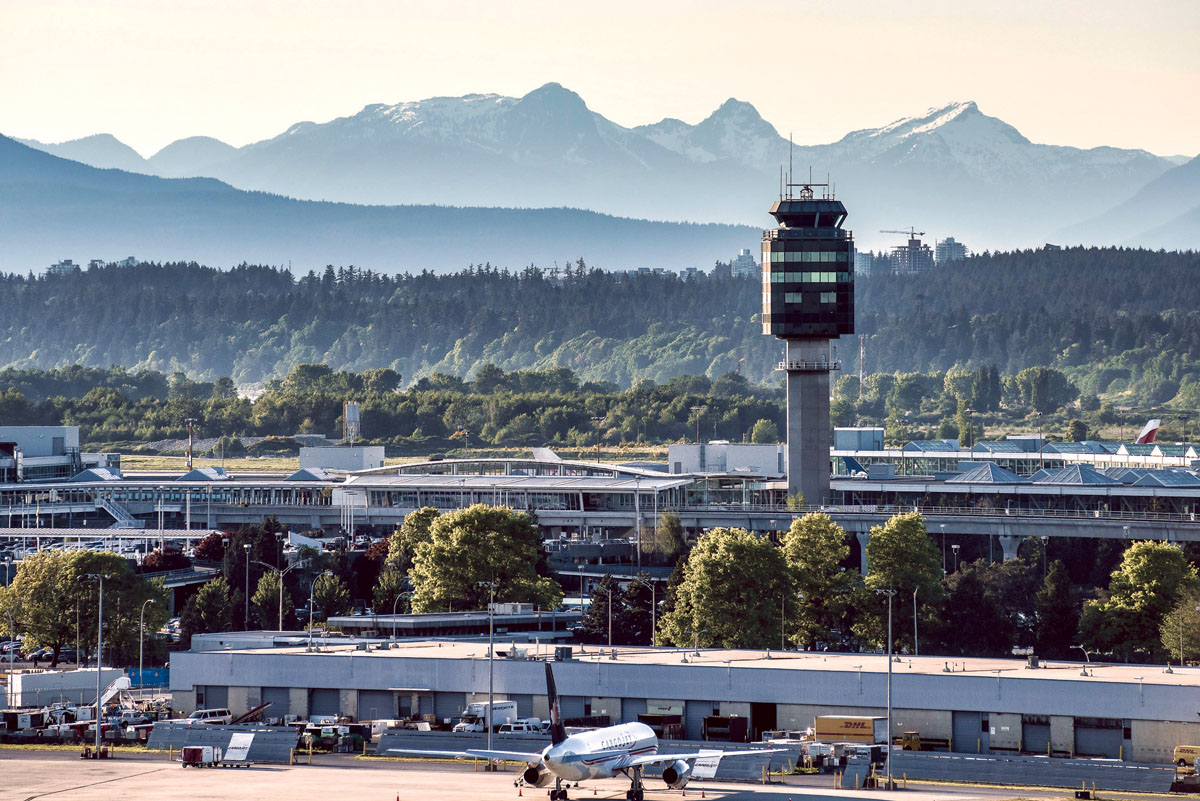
(210,716)
(199,756)
(477,717)
(1186,755)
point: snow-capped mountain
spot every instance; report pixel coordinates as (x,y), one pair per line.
(952,170)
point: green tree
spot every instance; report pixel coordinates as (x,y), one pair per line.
(1150,580)
(1077,431)
(331,595)
(668,541)
(402,545)
(730,596)
(1180,629)
(469,548)
(764,431)
(1057,629)
(605,598)
(975,620)
(388,592)
(814,548)
(901,557)
(51,592)
(265,602)
(210,609)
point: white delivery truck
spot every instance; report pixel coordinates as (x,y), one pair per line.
(477,717)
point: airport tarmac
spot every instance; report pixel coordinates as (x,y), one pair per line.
(62,776)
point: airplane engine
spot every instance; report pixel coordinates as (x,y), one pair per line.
(535,777)
(677,774)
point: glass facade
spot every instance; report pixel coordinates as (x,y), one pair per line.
(808,270)
(808,285)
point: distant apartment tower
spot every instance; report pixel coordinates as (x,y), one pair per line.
(950,249)
(64,267)
(808,300)
(911,258)
(744,265)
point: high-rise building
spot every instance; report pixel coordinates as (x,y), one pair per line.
(744,264)
(949,250)
(911,258)
(808,300)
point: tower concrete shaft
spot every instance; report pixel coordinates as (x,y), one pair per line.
(807,366)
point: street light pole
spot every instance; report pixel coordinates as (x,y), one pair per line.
(246,618)
(142,641)
(99,649)
(889,594)
(637,513)
(653,620)
(281,574)
(916,642)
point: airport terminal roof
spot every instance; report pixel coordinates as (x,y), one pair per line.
(988,473)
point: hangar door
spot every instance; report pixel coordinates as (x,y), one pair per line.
(968,728)
(1098,737)
(694,713)
(216,697)
(1035,733)
(279,700)
(376,704)
(449,705)
(323,702)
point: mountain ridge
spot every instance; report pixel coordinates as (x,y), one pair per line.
(53,207)
(952,169)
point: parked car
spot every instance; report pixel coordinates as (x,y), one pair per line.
(206,716)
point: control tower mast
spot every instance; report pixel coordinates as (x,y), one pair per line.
(808,300)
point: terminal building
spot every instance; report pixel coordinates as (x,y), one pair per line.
(990,706)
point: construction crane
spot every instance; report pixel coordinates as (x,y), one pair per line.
(912,232)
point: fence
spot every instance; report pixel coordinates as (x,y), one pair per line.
(1039,771)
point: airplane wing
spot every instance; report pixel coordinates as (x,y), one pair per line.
(658,759)
(470,753)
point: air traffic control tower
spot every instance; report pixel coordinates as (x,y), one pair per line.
(808,300)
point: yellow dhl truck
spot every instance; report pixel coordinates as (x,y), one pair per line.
(850,729)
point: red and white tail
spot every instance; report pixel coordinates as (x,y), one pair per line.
(1148,433)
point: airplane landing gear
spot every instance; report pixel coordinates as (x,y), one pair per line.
(559,793)
(638,791)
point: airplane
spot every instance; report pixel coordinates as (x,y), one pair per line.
(600,754)
(1149,433)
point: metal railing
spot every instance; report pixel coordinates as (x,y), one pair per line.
(938,511)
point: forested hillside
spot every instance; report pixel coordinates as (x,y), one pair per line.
(1114,320)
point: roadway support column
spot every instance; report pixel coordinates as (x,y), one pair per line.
(1009,544)
(863,539)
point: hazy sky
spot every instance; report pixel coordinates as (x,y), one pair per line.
(1077,72)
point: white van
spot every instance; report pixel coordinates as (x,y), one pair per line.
(206,716)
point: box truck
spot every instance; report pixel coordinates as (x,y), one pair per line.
(477,717)
(851,729)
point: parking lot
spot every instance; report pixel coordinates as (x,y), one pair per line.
(62,776)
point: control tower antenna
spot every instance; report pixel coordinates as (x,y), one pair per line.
(808,302)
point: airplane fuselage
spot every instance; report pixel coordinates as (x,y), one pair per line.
(608,744)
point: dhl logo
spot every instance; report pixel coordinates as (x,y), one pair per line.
(854,724)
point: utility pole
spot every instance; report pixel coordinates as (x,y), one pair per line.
(191,422)
(142,642)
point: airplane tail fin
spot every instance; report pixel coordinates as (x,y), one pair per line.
(1149,433)
(557,732)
